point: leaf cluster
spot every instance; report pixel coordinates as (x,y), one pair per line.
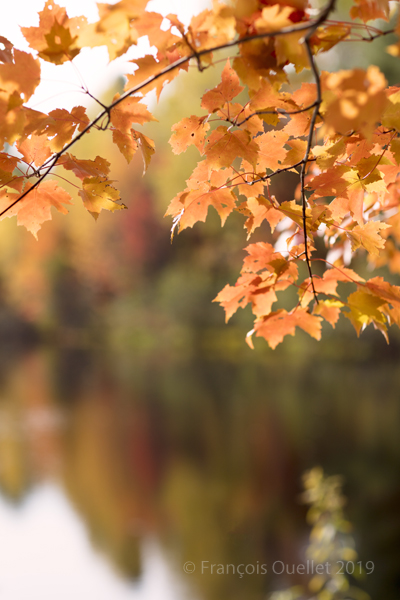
(339,133)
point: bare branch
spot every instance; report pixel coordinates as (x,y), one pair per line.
(279,111)
(322,17)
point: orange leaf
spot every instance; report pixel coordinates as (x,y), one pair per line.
(149,24)
(35,208)
(192,206)
(83,168)
(261,209)
(21,76)
(147,148)
(224,146)
(272,151)
(327,284)
(115,28)
(353,100)
(274,18)
(277,325)
(368,10)
(383,289)
(148,66)
(233,297)
(225,91)
(189,131)
(35,149)
(129,111)
(126,143)
(64,126)
(56,37)
(329,310)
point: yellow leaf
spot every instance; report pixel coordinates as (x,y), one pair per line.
(368,236)
(97,195)
(147,148)
(391,116)
(364,310)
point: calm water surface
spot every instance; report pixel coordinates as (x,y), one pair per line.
(116,470)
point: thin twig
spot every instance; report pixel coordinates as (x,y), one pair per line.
(279,111)
(309,26)
(322,17)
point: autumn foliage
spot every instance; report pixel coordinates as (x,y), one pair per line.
(338,132)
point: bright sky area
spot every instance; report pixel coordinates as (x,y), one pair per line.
(61,85)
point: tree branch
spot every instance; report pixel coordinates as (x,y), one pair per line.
(322,17)
(309,26)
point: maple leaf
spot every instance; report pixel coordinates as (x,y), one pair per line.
(297,152)
(267,98)
(263,257)
(295,212)
(367,236)
(329,310)
(261,209)
(192,206)
(35,149)
(212,27)
(357,163)
(274,18)
(148,67)
(60,45)
(115,27)
(257,59)
(346,184)
(56,37)
(6,53)
(264,273)
(277,325)
(356,187)
(327,284)
(364,309)
(233,297)
(149,24)
(224,92)
(328,36)
(291,48)
(7,162)
(98,194)
(189,131)
(384,290)
(21,76)
(368,10)
(390,118)
(83,168)
(327,155)
(224,146)
(353,100)
(63,126)
(272,151)
(126,143)
(147,148)
(128,112)
(35,208)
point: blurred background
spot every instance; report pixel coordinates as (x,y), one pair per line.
(138,431)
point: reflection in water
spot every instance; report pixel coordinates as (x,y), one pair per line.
(203,458)
(45,554)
